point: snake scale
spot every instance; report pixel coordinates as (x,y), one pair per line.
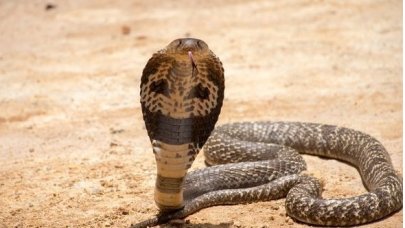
(182,90)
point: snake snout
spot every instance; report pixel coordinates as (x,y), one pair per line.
(188,44)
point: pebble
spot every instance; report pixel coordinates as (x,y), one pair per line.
(274,207)
(125,30)
(125,212)
(50,6)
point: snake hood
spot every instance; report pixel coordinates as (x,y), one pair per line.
(181,97)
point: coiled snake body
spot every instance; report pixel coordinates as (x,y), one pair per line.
(182,90)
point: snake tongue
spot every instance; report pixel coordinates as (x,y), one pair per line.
(193,64)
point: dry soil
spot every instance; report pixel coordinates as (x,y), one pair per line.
(73,148)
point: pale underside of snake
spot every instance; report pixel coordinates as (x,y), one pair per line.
(182,90)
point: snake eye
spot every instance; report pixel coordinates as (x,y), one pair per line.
(161,86)
(199,92)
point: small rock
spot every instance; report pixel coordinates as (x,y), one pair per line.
(275,207)
(106,183)
(15,212)
(289,221)
(125,30)
(50,6)
(116,131)
(118,166)
(123,211)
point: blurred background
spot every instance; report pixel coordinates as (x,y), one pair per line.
(73,148)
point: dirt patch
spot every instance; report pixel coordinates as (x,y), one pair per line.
(73,148)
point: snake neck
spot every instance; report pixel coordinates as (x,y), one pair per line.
(172,162)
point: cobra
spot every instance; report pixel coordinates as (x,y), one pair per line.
(182,90)
(181,96)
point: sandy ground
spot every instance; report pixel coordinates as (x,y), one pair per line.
(73,147)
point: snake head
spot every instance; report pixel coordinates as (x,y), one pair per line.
(182,90)
(186,45)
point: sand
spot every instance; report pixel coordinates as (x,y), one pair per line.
(73,148)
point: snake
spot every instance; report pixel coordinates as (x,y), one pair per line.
(182,92)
